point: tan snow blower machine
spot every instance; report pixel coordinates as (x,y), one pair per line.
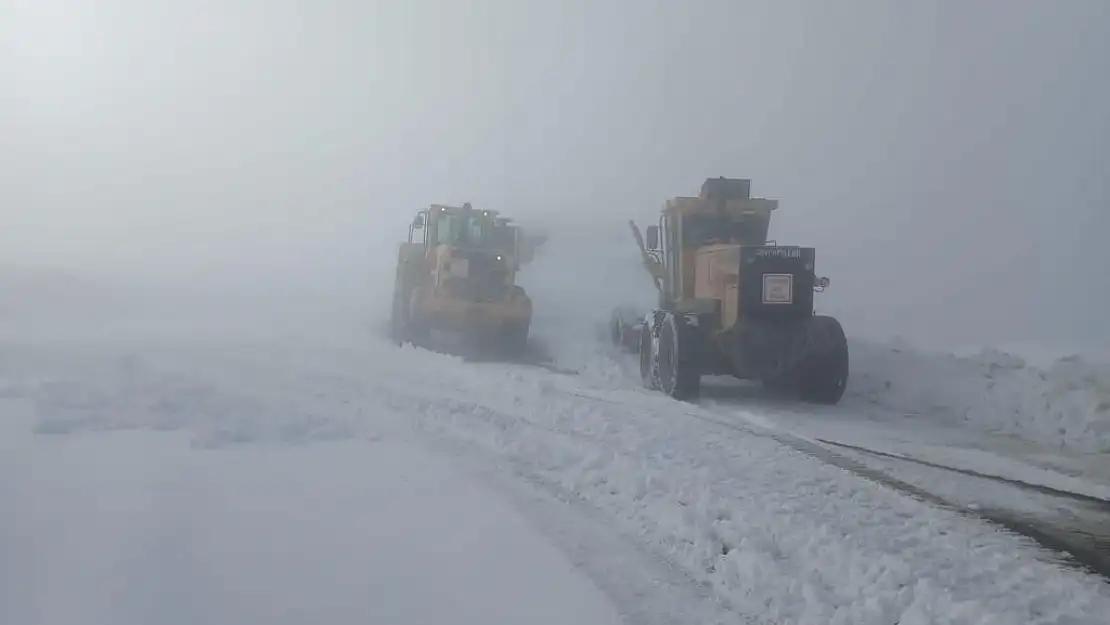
(731,302)
(457,275)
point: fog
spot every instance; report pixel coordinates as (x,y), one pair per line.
(948,160)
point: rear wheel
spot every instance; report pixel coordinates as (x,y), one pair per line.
(824,377)
(680,352)
(416,330)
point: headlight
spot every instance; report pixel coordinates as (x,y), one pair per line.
(778,288)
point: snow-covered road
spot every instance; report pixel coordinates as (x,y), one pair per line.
(670,516)
(137,527)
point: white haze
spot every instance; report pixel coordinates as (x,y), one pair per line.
(251,158)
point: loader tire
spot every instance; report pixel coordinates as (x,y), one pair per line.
(680,353)
(400,321)
(513,339)
(416,330)
(824,375)
(397,320)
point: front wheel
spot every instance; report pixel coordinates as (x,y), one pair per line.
(680,355)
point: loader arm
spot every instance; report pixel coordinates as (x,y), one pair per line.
(652,263)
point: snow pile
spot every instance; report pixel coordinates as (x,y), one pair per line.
(1063,404)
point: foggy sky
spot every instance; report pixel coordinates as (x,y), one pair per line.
(948,160)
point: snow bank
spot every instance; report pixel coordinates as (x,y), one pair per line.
(1063,404)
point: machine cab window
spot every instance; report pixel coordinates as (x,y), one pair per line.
(465,229)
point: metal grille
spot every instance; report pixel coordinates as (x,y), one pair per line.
(761,267)
(486,279)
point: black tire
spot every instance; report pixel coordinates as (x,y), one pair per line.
(680,351)
(647,358)
(399,312)
(824,377)
(418,333)
(416,329)
(397,319)
(513,339)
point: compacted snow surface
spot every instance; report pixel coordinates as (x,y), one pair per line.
(321,481)
(137,527)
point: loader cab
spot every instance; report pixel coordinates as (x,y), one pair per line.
(456,226)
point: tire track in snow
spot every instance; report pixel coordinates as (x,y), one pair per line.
(1072,547)
(616,439)
(646,586)
(1085,542)
(1048,490)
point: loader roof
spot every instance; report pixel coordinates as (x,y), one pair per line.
(465,208)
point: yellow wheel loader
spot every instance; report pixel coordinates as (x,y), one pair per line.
(731,302)
(457,274)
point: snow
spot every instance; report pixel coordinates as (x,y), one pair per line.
(774,535)
(1063,405)
(136,527)
(778,534)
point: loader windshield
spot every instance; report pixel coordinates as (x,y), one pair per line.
(466,230)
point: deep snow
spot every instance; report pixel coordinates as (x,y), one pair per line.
(780,537)
(1063,404)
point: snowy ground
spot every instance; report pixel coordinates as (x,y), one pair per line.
(137,527)
(313,454)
